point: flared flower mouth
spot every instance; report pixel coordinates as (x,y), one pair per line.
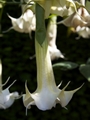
(45,98)
(7,98)
(25,23)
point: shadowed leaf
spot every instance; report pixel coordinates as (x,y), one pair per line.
(85,71)
(66,65)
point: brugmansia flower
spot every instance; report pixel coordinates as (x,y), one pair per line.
(26,23)
(51,37)
(80,21)
(47,93)
(6,98)
(58,7)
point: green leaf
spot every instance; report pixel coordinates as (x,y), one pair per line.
(40,33)
(85,71)
(66,65)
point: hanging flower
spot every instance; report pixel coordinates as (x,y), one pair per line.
(47,93)
(6,98)
(51,37)
(80,21)
(26,23)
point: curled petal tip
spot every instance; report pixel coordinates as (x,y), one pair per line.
(29,106)
(26,89)
(78,88)
(66,96)
(13,19)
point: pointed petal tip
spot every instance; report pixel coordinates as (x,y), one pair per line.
(61,22)
(5,82)
(9,16)
(65,108)
(26,83)
(11,84)
(12,18)
(77,88)
(60,84)
(66,86)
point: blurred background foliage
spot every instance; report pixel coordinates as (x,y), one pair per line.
(15,52)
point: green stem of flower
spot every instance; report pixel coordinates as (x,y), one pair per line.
(45,76)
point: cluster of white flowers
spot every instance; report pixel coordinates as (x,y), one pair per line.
(47,93)
(79,20)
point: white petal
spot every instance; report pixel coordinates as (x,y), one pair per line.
(66,96)
(17,23)
(27,98)
(55,53)
(45,99)
(83,31)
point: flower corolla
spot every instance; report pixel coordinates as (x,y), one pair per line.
(47,93)
(25,23)
(6,98)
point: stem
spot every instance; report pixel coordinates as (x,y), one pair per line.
(45,76)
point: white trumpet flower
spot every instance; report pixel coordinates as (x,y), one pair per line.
(51,37)
(6,98)
(80,21)
(47,93)
(25,23)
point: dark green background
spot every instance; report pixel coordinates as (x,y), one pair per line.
(15,51)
